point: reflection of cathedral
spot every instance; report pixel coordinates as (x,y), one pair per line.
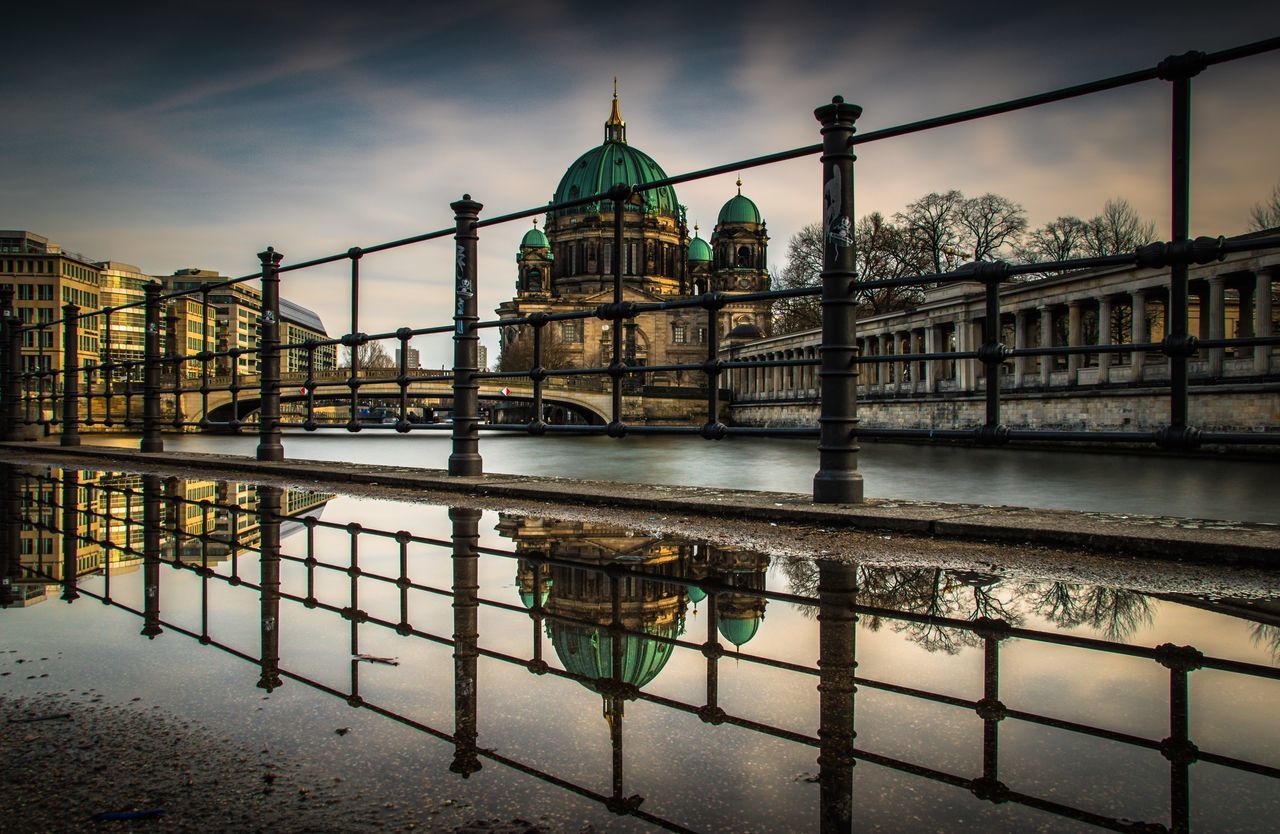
(582,604)
(568,267)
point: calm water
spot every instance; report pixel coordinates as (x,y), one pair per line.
(597,675)
(1239,490)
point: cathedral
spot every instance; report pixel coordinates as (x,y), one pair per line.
(567,266)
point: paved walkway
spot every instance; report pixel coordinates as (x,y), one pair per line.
(1178,539)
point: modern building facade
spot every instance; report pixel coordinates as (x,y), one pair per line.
(44,278)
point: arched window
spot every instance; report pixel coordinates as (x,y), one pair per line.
(744,257)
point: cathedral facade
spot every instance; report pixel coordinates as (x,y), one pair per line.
(567,266)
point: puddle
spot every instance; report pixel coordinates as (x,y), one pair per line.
(574,673)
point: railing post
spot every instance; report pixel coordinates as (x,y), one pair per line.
(70,375)
(465,459)
(1178,344)
(70,533)
(269,500)
(837,650)
(838,480)
(466,637)
(151,441)
(269,445)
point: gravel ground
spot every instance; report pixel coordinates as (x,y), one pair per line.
(70,756)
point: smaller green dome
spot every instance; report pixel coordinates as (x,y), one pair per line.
(699,250)
(740,209)
(738,632)
(535,238)
(696,594)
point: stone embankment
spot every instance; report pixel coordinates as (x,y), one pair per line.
(1176,539)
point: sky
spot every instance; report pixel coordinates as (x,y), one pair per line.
(195,134)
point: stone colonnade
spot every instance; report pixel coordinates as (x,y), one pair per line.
(1235,298)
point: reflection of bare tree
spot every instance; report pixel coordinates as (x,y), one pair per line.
(936,593)
(1267,637)
(1114,612)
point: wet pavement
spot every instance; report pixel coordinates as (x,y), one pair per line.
(488,666)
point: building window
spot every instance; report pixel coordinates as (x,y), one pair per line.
(571,331)
(678,334)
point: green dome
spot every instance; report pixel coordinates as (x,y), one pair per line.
(699,250)
(696,594)
(740,209)
(738,632)
(588,651)
(535,237)
(610,164)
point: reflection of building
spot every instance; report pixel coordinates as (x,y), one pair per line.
(568,267)
(584,596)
(198,522)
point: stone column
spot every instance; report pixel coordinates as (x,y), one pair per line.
(1105,360)
(1046,340)
(1138,325)
(931,365)
(899,367)
(1262,320)
(882,370)
(963,381)
(1217,321)
(1019,343)
(1075,338)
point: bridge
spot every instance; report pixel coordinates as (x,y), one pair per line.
(587,400)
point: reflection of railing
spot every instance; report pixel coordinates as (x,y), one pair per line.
(835,601)
(837,479)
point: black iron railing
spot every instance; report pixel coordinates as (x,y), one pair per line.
(54,505)
(37,397)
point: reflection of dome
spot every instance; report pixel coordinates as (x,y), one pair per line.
(695,593)
(526,597)
(738,631)
(739,209)
(699,250)
(746,330)
(588,651)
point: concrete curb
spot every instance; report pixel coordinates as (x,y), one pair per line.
(1149,536)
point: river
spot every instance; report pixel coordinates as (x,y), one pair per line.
(1239,490)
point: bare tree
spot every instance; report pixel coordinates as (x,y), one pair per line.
(1058,240)
(884,251)
(1116,230)
(516,354)
(932,222)
(371,355)
(1266,215)
(803,269)
(989,223)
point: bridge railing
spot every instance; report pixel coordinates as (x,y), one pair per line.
(837,430)
(839,592)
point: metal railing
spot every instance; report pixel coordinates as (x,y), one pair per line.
(837,430)
(54,505)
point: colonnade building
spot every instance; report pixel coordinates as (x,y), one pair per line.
(1232,298)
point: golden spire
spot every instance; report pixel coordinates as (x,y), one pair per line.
(615,118)
(695,229)
(535,222)
(739,185)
